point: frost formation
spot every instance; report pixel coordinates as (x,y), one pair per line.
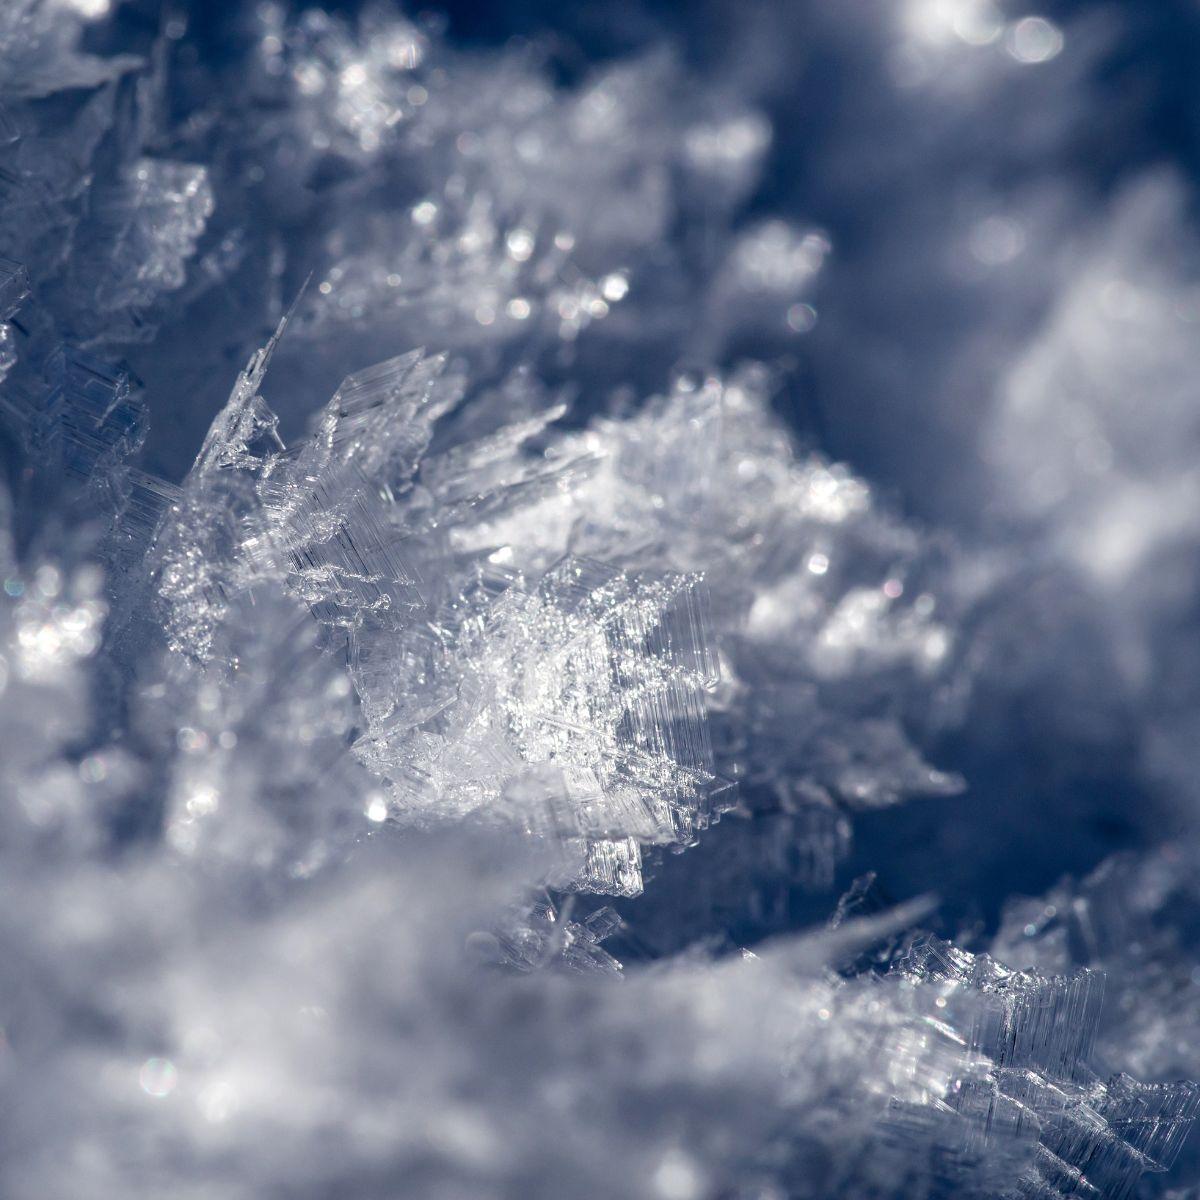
(363,763)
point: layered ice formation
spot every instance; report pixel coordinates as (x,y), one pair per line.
(450,644)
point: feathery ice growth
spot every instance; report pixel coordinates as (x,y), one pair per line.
(439,779)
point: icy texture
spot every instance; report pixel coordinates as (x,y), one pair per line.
(14,288)
(949,1073)
(505,236)
(480,653)
(1093,1137)
(360,769)
(571,701)
(1134,919)
(143,227)
(819,596)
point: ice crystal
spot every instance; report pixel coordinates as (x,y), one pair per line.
(14,288)
(1094,1137)
(1118,921)
(798,555)
(479,652)
(362,743)
(144,227)
(581,671)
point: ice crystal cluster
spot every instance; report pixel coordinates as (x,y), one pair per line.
(549,635)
